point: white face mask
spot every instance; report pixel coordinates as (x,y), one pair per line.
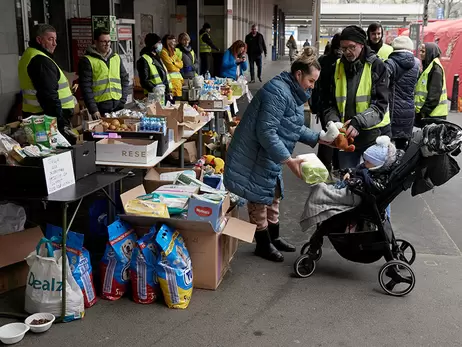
(158,47)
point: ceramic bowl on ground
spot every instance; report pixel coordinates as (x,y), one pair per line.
(13,333)
(40,328)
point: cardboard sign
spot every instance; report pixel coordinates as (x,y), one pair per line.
(59,171)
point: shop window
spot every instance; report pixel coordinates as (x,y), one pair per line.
(214,2)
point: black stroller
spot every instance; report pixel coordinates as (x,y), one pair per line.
(427,162)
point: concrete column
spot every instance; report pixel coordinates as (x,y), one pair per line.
(228,23)
(192,23)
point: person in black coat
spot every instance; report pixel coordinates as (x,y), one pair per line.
(256,46)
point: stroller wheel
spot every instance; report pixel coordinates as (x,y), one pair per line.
(316,256)
(396,278)
(406,251)
(304,266)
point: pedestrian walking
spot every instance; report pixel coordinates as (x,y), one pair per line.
(360,95)
(234,61)
(256,47)
(375,41)
(306,44)
(403,72)
(190,60)
(292,46)
(206,46)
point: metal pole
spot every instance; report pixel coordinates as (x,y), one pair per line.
(446,9)
(455,94)
(425,21)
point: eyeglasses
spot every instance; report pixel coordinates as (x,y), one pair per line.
(350,48)
(105,42)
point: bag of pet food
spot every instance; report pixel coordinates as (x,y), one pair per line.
(143,275)
(79,261)
(174,269)
(115,264)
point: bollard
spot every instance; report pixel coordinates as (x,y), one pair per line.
(455,94)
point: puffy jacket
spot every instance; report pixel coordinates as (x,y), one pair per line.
(229,66)
(143,69)
(191,62)
(265,138)
(403,72)
(86,83)
(174,64)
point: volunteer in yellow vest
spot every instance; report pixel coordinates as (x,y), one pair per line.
(45,89)
(187,55)
(104,82)
(431,98)
(375,41)
(206,46)
(173,63)
(151,71)
(360,95)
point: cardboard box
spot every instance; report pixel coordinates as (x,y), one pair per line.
(13,249)
(126,150)
(175,118)
(213,104)
(211,252)
(190,153)
(152,179)
(83,158)
(204,211)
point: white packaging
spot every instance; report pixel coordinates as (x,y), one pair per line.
(312,169)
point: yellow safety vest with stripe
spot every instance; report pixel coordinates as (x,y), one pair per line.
(154,76)
(421,92)
(106,80)
(176,75)
(203,47)
(384,51)
(363,94)
(180,55)
(30,102)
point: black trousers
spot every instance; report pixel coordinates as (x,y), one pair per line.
(258,61)
(207,63)
(327,155)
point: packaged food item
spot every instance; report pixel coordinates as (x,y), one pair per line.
(176,204)
(174,269)
(79,261)
(147,208)
(29,129)
(40,131)
(145,287)
(51,126)
(313,170)
(115,265)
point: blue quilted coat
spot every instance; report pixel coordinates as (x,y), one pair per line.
(403,70)
(266,136)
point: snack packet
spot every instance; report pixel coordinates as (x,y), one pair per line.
(79,261)
(51,126)
(146,208)
(174,269)
(145,287)
(115,265)
(40,131)
(29,129)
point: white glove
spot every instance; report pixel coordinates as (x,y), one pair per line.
(331,134)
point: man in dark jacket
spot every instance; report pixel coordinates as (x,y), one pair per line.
(104,82)
(360,96)
(403,72)
(45,88)
(206,46)
(375,41)
(256,46)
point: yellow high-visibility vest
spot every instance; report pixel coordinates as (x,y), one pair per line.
(363,94)
(106,80)
(421,92)
(385,51)
(30,102)
(203,47)
(154,76)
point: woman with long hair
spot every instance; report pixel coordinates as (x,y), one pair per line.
(292,46)
(190,60)
(234,61)
(173,63)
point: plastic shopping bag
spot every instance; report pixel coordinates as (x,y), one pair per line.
(143,275)
(174,269)
(313,170)
(79,261)
(115,265)
(44,284)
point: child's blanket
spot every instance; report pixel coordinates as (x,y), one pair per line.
(325,201)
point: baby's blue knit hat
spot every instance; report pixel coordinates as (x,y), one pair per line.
(381,153)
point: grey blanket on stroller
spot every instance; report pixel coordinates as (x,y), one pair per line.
(325,201)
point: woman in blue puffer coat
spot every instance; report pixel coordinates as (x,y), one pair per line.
(264,141)
(403,71)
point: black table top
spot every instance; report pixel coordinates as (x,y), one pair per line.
(82,188)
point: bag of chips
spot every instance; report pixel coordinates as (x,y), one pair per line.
(115,264)
(174,269)
(143,275)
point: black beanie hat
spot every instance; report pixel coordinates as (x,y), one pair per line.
(207,26)
(151,39)
(354,33)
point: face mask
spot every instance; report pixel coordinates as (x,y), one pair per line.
(159,48)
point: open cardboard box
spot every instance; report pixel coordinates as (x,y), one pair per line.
(152,180)
(138,151)
(211,252)
(13,249)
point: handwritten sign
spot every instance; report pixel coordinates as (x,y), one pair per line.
(59,171)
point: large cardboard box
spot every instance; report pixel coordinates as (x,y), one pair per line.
(211,252)
(126,150)
(152,180)
(13,249)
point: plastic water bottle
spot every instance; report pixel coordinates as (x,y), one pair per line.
(207,75)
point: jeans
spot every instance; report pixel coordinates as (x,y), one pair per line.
(258,61)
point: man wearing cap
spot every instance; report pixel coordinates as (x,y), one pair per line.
(205,49)
(360,96)
(375,41)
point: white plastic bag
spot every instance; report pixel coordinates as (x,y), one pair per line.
(312,168)
(12,218)
(44,284)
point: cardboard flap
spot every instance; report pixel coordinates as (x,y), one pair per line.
(240,229)
(132,194)
(179,224)
(17,246)
(152,175)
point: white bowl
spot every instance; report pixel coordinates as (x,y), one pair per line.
(42,327)
(13,333)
